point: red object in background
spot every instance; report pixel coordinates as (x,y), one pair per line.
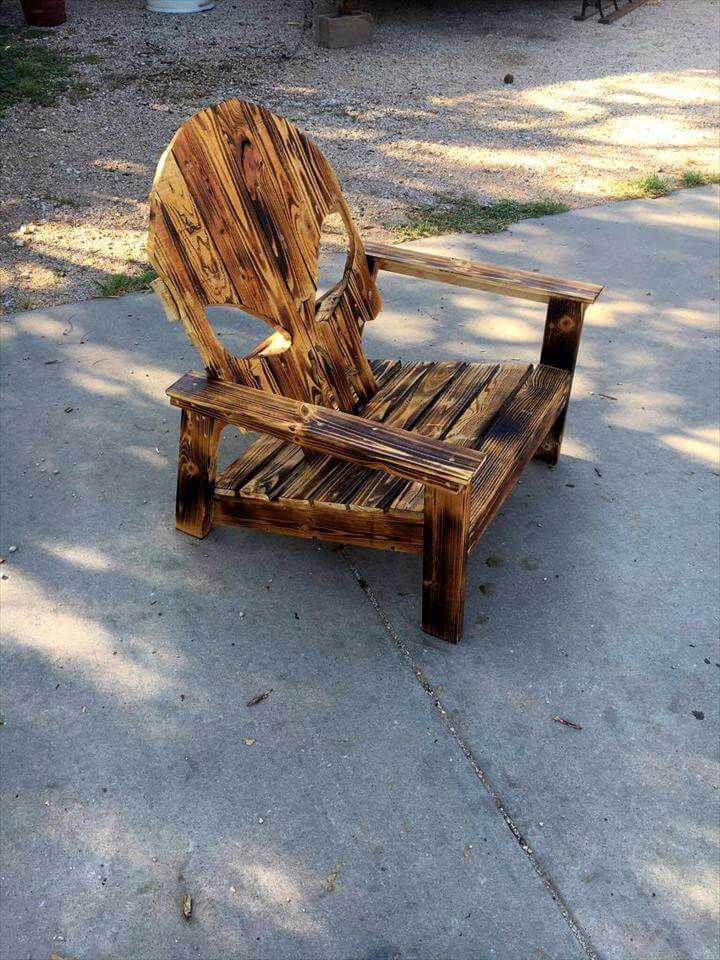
(44,13)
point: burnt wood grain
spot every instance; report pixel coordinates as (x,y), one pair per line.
(306,480)
(524,284)
(473,422)
(197,464)
(342,435)
(561,340)
(445,549)
(513,439)
(415,458)
(236,212)
(385,531)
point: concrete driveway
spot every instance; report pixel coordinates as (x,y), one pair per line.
(393,797)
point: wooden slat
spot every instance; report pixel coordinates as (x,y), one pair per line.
(356,484)
(513,439)
(305,480)
(524,284)
(329,431)
(452,402)
(395,390)
(445,412)
(384,370)
(268,456)
(470,427)
(189,231)
(242,470)
(378,489)
(389,532)
(275,470)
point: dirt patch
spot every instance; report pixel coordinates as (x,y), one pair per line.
(423,111)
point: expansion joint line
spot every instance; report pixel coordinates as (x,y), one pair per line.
(460,741)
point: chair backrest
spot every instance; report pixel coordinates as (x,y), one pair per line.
(236,213)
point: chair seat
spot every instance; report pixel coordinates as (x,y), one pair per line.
(457,401)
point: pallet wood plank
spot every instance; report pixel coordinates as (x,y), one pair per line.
(449,407)
(293,465)
(524,284)
(303,483)
(261,455)
(252,461)
(288,458)
(328,431)
(470,427)
(513,439)
(363,487)
(298,519)
(445,562)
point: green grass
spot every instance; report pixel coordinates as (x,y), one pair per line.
(453,214)
(32,74)
(699,178)
(117,284)
(653,186)
(656,186)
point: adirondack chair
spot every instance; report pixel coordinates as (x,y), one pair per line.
(416,457)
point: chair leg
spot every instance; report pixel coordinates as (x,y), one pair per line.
(447,523)
(563,327)
(197,463)
(549,450)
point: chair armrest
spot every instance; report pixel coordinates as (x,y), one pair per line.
(343,435)
(479,276)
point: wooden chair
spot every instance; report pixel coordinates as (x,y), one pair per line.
(416,457)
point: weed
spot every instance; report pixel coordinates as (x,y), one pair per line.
(651,186)
(117,284)
(654,186)
(463,214)
(33,74)
(63,201)
(699,178)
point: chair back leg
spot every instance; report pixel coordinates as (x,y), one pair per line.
(563,327)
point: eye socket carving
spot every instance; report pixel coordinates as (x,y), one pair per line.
(334,243)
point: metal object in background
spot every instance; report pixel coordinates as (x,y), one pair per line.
(618,12)
(180,6)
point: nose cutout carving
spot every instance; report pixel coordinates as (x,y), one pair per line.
(245,335)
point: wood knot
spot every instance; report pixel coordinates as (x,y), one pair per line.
(249,162)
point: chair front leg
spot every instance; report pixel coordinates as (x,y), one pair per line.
(197,463)
(445,548)
(561,341)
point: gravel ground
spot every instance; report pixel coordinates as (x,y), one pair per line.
(421,111)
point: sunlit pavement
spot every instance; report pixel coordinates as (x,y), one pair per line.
(352,813)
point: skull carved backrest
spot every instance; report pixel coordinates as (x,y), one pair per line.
(236,213)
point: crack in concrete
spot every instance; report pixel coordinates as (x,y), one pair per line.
(564,908)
